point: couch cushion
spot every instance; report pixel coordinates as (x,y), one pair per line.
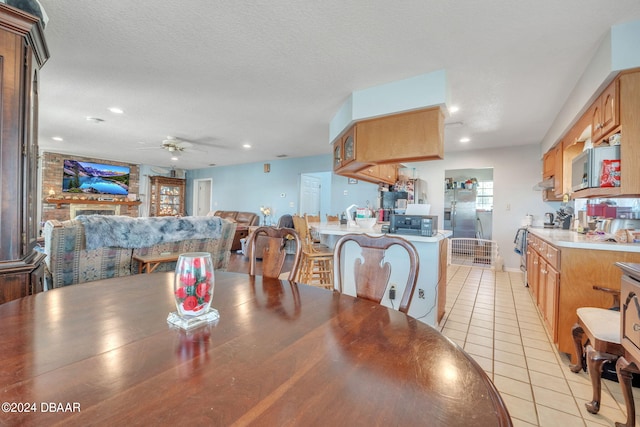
(226,214)
(247,218)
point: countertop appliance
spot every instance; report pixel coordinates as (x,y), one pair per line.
(548,220)
(460,212)
(419,225)
(586,167)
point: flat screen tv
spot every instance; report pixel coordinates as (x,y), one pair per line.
(95,178)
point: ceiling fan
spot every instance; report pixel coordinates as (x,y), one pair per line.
(174,146)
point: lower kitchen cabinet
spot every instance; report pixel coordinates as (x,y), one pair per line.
(544,280)
(561,280)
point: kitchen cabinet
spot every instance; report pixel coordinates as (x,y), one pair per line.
(615,109)
(604,113)
(552,169)
(23,51)
(543,279)
(344,149)
(564,277)
(167,196)
(371,149)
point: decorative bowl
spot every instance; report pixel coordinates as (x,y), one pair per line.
(366,222)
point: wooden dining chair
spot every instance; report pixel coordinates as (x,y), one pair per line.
(273,242)
(601,327)
(316,266)
(371,272)
(333,219)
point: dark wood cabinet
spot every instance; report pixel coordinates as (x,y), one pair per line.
(22,52)
(167,196)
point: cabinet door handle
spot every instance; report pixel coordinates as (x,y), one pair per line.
(636,327)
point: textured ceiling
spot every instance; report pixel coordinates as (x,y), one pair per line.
(273,73)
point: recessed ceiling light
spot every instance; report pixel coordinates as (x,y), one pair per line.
(246,146)
(174,158)
(116,110)
(94,119)
(454,109)
(465,140)
(57,138)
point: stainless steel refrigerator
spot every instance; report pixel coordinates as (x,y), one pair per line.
(460,212)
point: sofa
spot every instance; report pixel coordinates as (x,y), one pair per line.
(244,221)
(74,257)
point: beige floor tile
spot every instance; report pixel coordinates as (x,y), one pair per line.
(478,350)
(543,356)
(606,415)
(503,336)
(509,347)
(550,368)
(486,363)
(511,329)
(477,330)
(550,417)
(553,399)
(529,342)
(550,382)
(510,358)
(513,387)
(453,333)
(482,323)
(481,317)
(521,409)
(480,340)
(510,371)
(458,326)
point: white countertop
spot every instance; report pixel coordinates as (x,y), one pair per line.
(342,229)
(571,239)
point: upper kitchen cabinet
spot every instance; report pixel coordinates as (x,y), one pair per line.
(605,113)
(368,145)
(552,170)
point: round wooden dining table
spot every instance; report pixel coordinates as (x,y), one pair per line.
(281,354)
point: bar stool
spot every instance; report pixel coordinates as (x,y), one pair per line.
(316,266)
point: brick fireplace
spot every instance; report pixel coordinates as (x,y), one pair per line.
(76,209)
(64,209)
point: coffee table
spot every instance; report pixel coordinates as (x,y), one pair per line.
(151,262)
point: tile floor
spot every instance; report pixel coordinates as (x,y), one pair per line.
(492,316)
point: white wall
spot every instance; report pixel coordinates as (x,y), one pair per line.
(515,171)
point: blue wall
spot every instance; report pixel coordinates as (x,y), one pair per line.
(246,187)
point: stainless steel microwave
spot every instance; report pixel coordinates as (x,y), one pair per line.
(586,167)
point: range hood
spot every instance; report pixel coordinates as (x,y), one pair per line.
(547,184)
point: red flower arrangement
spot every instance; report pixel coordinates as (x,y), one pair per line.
(193,285)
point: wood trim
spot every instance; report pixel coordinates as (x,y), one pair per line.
(60,202)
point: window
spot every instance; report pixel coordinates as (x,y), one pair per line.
(484,196)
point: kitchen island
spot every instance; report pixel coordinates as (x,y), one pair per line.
(428,302)
(563,267)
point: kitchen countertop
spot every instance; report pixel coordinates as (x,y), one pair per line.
(571,239)
(342,229)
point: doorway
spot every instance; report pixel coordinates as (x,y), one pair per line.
(315,193)
(468,209)
(202,196)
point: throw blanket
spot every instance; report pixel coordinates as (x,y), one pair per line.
(126,232)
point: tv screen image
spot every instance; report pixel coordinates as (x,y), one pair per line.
(95,178)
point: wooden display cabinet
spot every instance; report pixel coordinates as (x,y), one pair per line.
(167,196)
(23,52)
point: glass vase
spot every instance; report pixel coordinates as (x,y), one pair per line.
(193,290)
